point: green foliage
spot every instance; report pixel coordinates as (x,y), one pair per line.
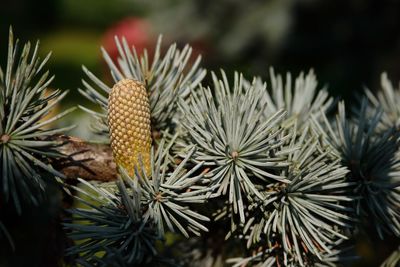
(300,98)
(235,139)
(268,258)
(117,223)
(387,100)
(25,112)
(147,204)
(255,170)
(275,169)
(167,78)
(167,194)
(309,215)
(373,159)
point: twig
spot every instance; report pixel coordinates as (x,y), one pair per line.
(89,161)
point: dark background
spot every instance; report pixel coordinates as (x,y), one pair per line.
(348,44)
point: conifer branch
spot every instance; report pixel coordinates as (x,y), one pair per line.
(25,117)
(266,169)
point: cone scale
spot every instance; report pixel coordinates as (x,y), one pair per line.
(129,124)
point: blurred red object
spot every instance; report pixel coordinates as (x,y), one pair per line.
(137,32)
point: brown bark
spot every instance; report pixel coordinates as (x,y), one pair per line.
(89,161)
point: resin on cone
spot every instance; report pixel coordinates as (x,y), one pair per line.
(129,123)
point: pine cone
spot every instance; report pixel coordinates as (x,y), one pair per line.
(129,123)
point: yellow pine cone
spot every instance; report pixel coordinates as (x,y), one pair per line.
(129,123)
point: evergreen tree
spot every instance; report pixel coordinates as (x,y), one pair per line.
(234,172)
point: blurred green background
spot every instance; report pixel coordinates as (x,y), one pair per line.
(348,43)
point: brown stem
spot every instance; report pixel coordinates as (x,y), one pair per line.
(85,160)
